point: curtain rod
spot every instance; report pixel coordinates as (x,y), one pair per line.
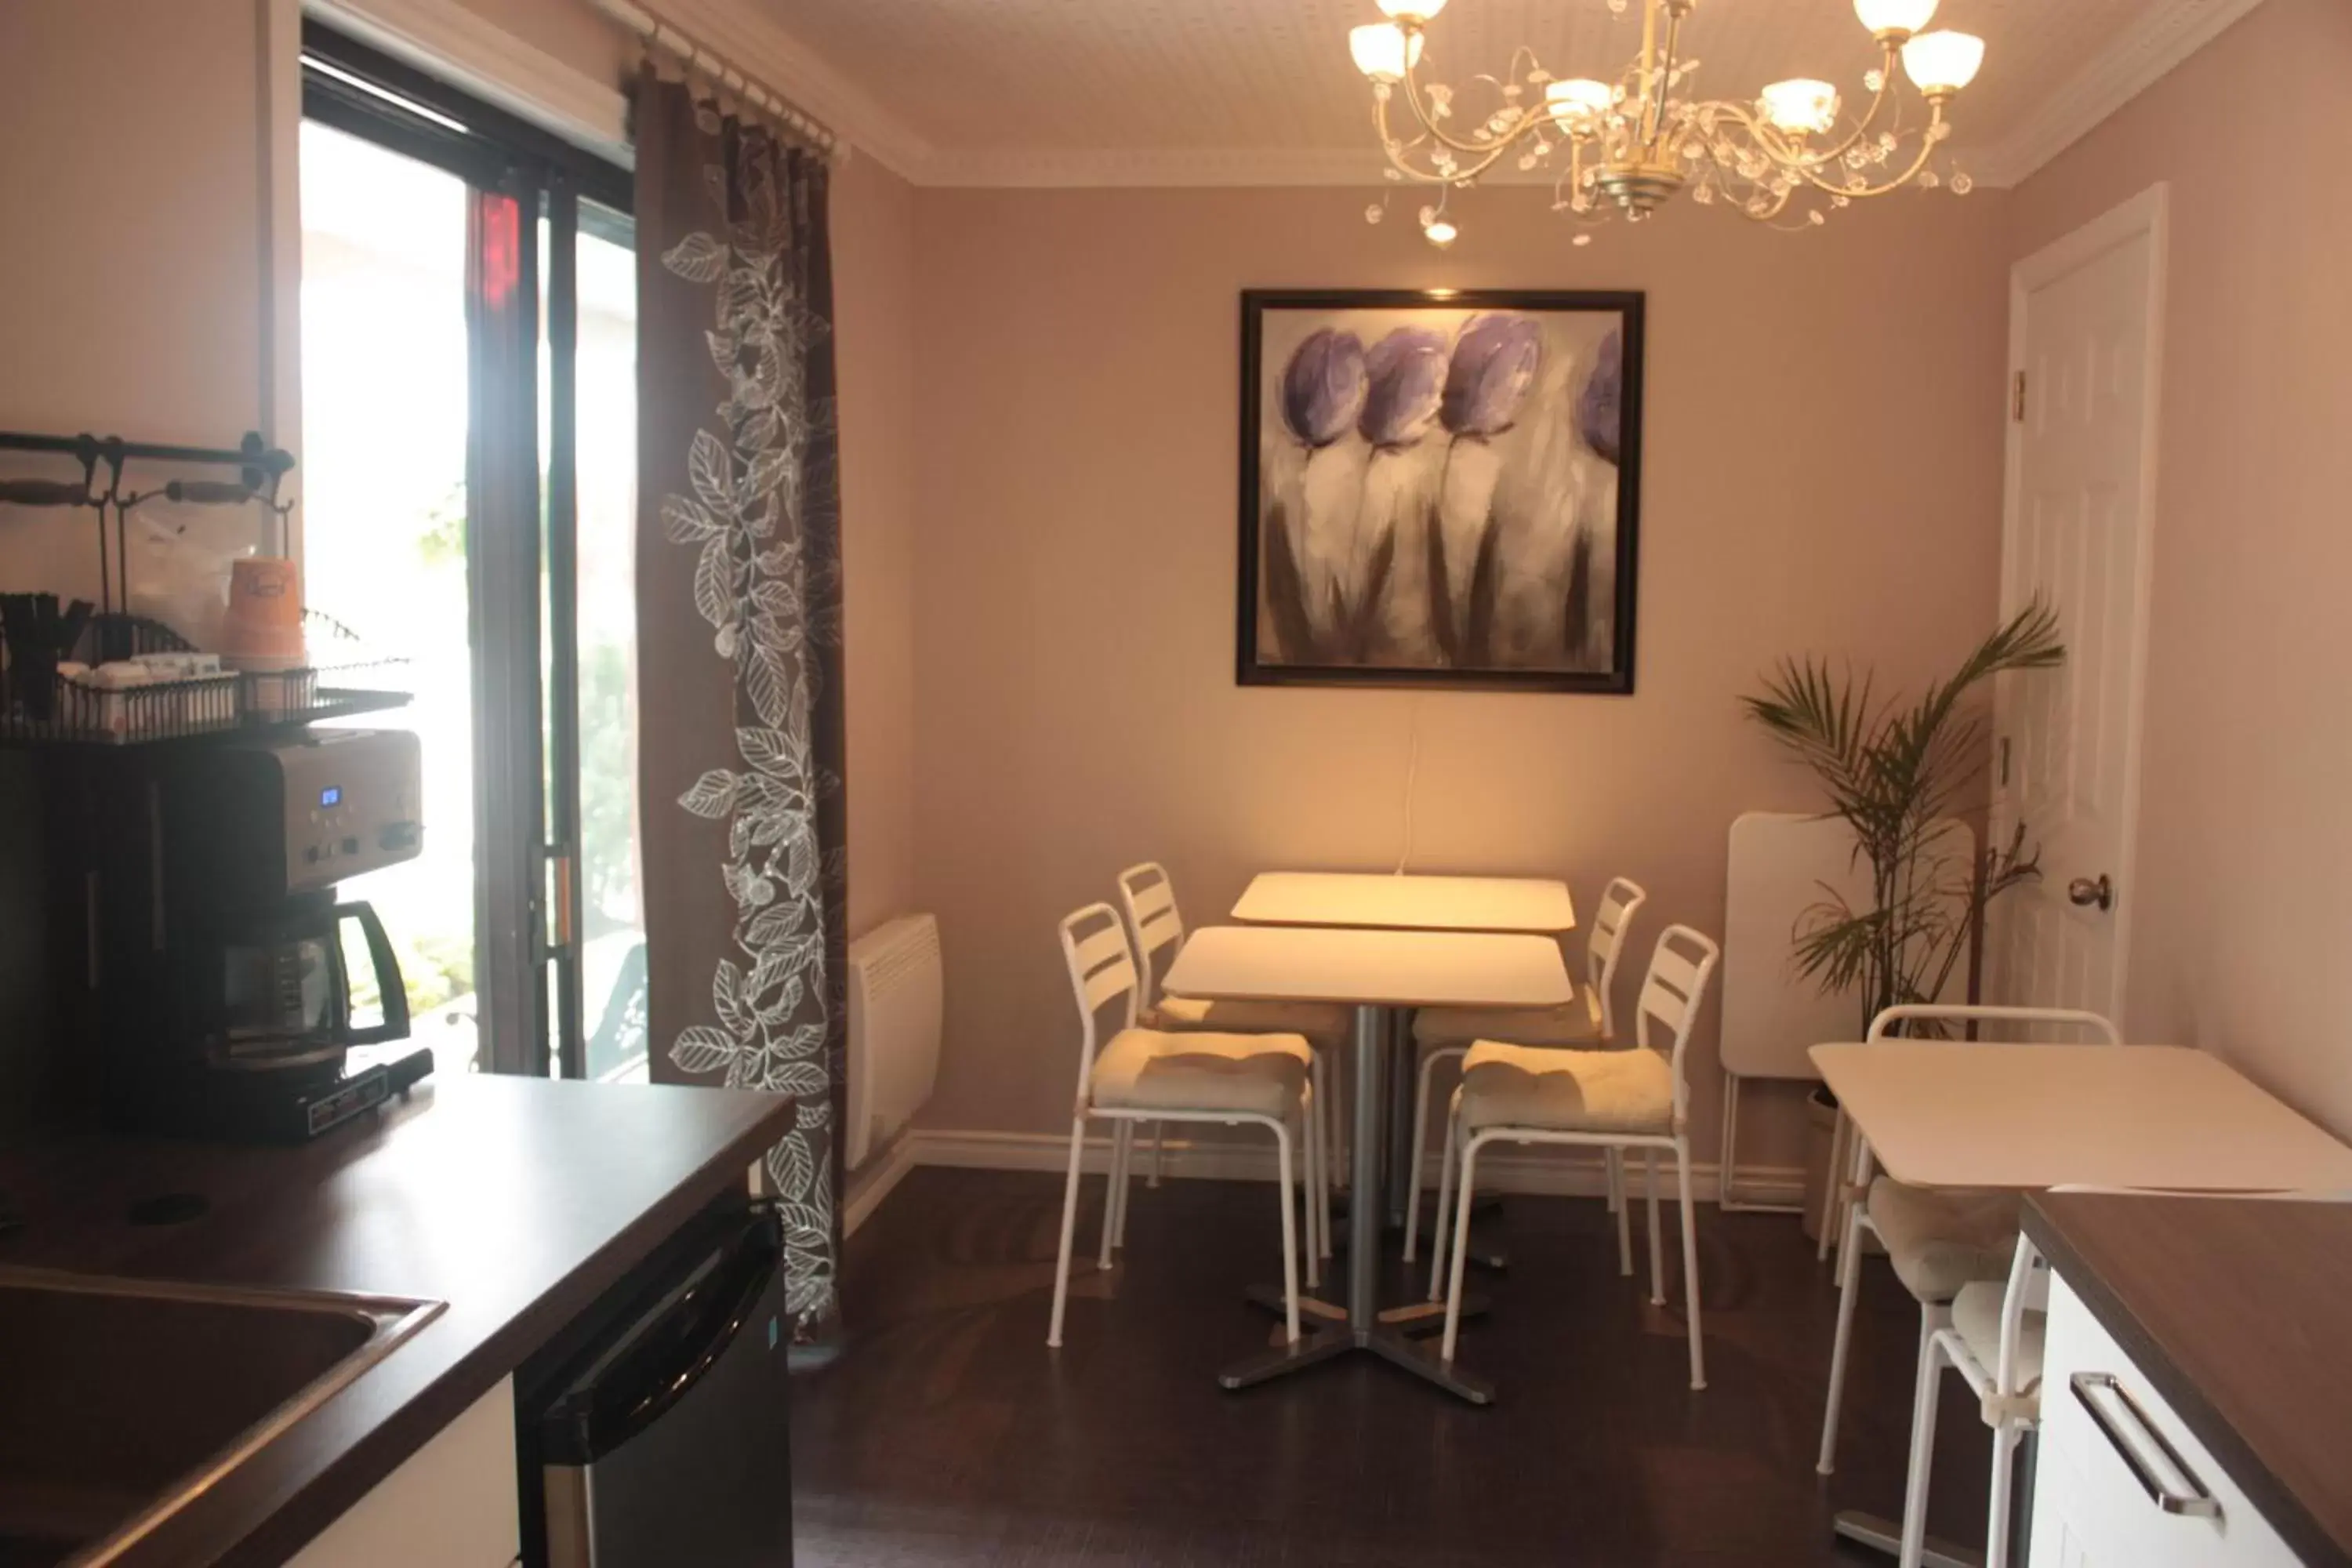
(656,31)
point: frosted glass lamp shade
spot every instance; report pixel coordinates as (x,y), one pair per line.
(1578,100)
(1383,51)
(1943,62)
(1801,104)
(1440,232)
(1894,15)
(1412,10)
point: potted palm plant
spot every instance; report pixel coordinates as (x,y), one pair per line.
(1897,771)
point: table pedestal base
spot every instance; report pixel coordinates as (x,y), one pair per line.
(1886,1535)
(1329,1341)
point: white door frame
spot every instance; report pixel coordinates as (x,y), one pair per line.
(2149,214)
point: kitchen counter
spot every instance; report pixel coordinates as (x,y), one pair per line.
(2234,1309)
(516,1201)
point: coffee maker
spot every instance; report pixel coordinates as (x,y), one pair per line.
(240,1019)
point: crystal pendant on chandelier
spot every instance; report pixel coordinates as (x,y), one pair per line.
(1631,143)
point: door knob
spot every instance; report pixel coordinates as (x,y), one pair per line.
(2085,893)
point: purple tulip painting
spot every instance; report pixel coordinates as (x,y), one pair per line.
(1440,488)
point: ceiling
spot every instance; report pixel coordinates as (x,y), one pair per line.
(1261,92)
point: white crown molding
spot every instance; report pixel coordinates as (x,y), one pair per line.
(739,30)
(1209,166)
(453,42)
(2166,34)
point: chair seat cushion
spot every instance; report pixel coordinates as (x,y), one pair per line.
(1257,1075)
(1940,1240)
(1507,1085)
(1323,1023)
(1576,1022)
(1976,1318)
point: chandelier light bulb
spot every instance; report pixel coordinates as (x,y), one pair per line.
(1579,100)
(1440,232)
(1801,104)
(1943,63)
(1901,17)
(1383,50)
(1414,10)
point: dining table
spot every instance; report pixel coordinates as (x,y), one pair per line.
(1384,900)
(1980,1115)
(1375,972)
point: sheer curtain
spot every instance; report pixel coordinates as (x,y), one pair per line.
(739,625)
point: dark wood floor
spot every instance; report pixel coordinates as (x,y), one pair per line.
(948,1434)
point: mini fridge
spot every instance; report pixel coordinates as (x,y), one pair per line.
(661,1436)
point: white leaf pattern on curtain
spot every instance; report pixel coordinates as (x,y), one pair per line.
(758,475)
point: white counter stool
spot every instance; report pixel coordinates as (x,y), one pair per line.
(1938,1241)
(1149,1075)
(1149,898)
(1614,1099)
(1444,1033)
(1995,1340)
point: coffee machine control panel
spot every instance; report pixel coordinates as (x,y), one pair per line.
(259,822)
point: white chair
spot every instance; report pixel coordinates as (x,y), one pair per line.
(1149,1075)
(1614,1100)
(1938,1242)
(1444,1033)
(1153,920)
(1995,1340)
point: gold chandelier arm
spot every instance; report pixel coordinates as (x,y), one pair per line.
(1429,124)
(1928,142)
(1486,157)
(1878,101)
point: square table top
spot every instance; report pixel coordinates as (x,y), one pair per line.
(1944,1114)
(1381,968)
(1373,899)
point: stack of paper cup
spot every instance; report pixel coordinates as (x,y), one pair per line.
(262,632)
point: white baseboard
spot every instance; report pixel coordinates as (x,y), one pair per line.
(874,1181)
(1553,1172)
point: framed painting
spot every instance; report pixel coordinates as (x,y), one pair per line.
(1440,488)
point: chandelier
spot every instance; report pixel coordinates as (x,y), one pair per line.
(1630,145)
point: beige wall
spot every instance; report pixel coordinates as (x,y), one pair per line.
(2245,879)
(1823,472)
(873,327)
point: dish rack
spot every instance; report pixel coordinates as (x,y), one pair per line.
(343,678)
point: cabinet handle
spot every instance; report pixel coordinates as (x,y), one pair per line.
(2197,1504)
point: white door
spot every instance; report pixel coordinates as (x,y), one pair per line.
(2085,321)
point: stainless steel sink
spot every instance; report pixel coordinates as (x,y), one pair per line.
(122,1400)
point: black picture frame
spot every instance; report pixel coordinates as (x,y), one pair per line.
(1252,668)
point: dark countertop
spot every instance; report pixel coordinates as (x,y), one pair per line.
(2235,1308)
(517,1201)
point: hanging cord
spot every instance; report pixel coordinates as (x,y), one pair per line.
(1412,771)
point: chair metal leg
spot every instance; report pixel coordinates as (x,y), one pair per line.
(1923,1444)
(1461,1249)
(1069,1230)
(2005,1436)
(1289,1238)
(1657,1261)
(1443,1219)
(1420,1142)
(1114,1188)
(1690,1260)
(1727,1144)
(1158,1151)
(1849,1284)
(1828,1225)
(1616,1161)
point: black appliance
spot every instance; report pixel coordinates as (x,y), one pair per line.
(227,1004)
(658,1432)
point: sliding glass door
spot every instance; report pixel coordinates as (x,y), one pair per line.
(469,432)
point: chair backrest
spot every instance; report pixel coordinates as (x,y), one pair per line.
(1618,903)
(1102,971)
(2094,1025)
(1153,921)
(1680,966)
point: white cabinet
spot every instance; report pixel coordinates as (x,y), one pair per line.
(2121,1481)
(451,1505)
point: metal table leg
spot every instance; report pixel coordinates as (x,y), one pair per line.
(1365,1326)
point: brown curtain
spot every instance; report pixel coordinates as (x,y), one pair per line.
(739,627)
